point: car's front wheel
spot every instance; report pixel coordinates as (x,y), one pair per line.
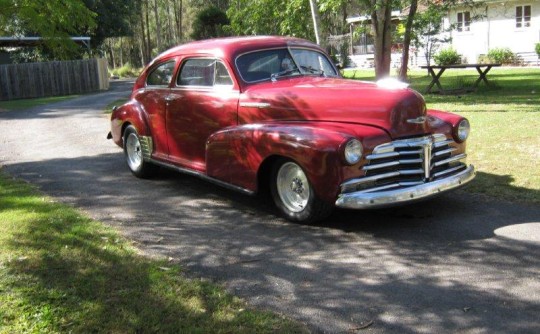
(293,194)
(134,156)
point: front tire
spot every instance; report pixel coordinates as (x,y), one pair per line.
(134,156)
(293,194)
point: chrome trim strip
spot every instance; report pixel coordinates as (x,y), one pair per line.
(389,186)
(391,154)
(260,105)
(443,143)
(392,163)
(204,177)
(443,152)
(359,200)
(451,159)
(418,120)
(448,171)
(353,183)
(147,147)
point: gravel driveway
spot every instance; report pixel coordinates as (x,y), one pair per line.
(459,263)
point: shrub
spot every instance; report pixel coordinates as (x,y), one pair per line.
(126,71)
(502,56)
(447,57)
(537,48)
(483,59)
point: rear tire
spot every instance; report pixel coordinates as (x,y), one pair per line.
(293,194)
(134,156)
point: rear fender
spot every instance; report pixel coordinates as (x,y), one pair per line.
(130,113)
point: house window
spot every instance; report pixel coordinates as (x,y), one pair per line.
(464,21)
(523,16)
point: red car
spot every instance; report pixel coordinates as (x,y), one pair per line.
(273,113)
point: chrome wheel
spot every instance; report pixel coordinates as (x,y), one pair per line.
(293,187)
(133,151)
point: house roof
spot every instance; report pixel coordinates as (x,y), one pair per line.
(34,41)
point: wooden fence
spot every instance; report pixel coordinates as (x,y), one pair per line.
(29,80)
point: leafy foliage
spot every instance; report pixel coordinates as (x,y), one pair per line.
(210,23)
(55,21)
(501,56)
(112,18)
(447,57)
(271,17)
(427,29)
(537,49)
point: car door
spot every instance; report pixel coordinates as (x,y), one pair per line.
(203,101)
(153,98)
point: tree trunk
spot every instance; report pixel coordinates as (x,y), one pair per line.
(143,40)
(403,76)
(170,33)
(316,22)
(178,20)
(148,44)
(381,19)
(158,26)
(121,52)
(111,53)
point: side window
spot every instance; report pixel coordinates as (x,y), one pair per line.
(204,72)
(197,72)
(161,75)
(222,76)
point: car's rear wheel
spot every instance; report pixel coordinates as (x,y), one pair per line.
(134,156)
(293,194)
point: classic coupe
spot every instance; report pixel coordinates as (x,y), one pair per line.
(273,114)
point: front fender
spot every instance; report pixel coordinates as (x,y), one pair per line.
(236,154)
(132,113)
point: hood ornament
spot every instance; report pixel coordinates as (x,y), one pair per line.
(418,120)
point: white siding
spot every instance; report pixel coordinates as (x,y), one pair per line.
(496,29)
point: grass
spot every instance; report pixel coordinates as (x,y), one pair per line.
(505,119)
(29,103)
(118,102)
(62,272)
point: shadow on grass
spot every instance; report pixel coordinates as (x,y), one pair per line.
(500,186)
(75,275)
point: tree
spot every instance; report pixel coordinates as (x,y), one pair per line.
(209,23)
(403,76)
(271,17)
(427,29)
(112,18)
(316,21)
(381,25)
(54,21)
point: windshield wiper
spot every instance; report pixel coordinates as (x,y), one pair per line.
(312,70)
(274,76)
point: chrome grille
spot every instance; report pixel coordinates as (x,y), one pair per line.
(406,163)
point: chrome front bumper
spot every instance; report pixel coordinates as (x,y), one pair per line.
(367,200)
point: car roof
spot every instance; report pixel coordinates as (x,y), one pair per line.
(231,47)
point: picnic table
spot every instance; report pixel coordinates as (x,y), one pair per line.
(482,69)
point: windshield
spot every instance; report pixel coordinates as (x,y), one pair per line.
(273,64)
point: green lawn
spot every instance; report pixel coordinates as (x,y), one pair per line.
(62,272)
(29,103)
(505,121)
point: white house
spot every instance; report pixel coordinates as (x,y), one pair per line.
(513,24)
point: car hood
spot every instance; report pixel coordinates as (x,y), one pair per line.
(399,111)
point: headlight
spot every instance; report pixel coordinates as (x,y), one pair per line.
(353,151)
(462,130)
